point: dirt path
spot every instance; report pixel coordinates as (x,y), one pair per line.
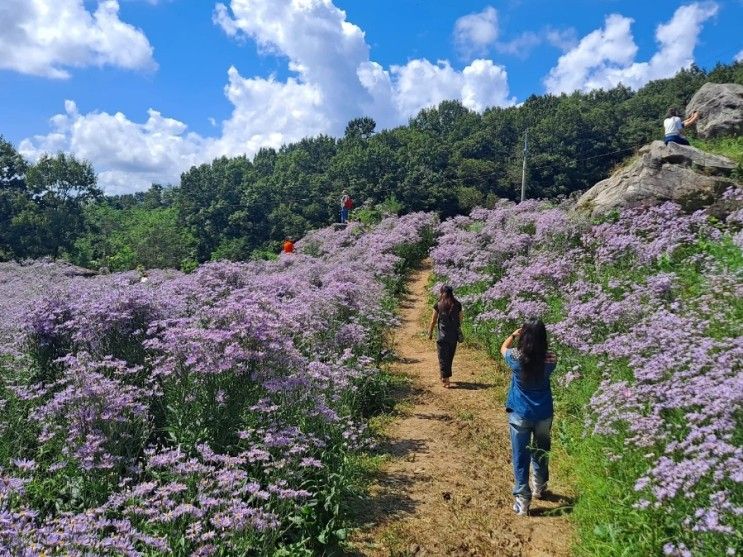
(446,490)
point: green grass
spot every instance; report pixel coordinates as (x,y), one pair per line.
(730,147)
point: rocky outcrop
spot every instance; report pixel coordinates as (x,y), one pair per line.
(720,107)
(686,175)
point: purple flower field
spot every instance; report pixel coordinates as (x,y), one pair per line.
(645,313)
(214,413)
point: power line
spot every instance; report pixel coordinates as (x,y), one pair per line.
(574,158)
(612,153)
(523,168)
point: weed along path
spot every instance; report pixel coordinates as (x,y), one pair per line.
(446,487)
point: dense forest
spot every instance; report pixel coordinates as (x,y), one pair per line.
(447,159)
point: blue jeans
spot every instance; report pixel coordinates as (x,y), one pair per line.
(680,139)
(525,451)
(344,214)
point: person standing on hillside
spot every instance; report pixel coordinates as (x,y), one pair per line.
(288,246)
(530,410)
(447,314)
(346,206)
(673,126)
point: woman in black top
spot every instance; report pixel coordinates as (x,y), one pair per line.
(447,314)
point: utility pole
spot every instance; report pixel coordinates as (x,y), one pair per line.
(523,169)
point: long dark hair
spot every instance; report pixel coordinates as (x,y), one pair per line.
(447,301)
(533,346)
(673,111)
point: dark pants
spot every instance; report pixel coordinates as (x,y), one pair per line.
(446,357)
(680,139)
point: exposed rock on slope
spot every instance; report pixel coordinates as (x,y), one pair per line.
(720,107)
(686,175)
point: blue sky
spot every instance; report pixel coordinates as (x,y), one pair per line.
(229,79)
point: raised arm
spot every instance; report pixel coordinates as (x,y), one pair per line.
(691,119)
(509,341)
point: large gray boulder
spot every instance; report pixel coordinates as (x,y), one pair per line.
(686,175)
(720,107)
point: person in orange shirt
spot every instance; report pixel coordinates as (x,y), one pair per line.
(288,246)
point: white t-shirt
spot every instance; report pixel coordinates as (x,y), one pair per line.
(673,125)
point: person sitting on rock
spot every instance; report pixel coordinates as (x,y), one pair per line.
(674,125)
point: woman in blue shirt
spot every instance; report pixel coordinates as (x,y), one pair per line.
(529,406)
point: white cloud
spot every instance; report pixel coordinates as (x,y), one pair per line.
(128,156)
(323,49)
(221,17)
(475,33)
(520,46)
(598,51)
(269,113)
(564,39)
(485,84)
(605,57)
(739,57)
(43,37)
(334,80)
(420,83)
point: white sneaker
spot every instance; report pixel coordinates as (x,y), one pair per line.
(521,506)
(537,490)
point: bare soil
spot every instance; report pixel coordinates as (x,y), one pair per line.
(445,488)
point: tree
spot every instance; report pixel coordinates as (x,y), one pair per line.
(208,196)
(60,187)
(63,178)
(154,238)
(42,205)
(13,167)
(360,128)
(732,73)
(450,119)
(13,194)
